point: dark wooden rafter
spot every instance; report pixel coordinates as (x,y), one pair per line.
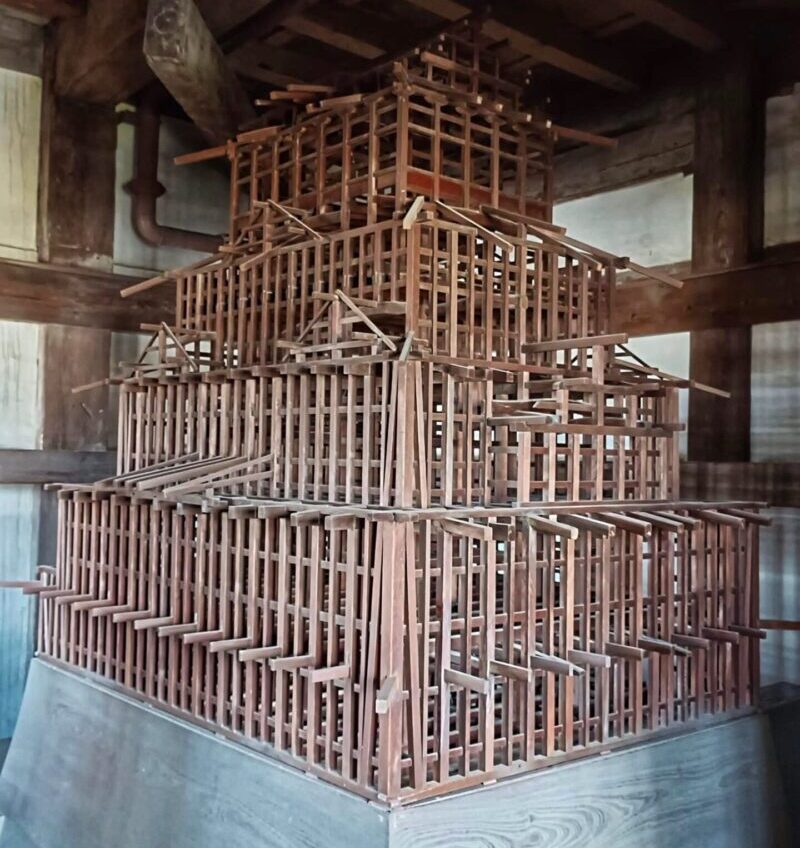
(182,52)
(99,54)
(263,22)
(682,20)
(545,39)
(47,8)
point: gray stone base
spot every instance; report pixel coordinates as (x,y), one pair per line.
(91,768)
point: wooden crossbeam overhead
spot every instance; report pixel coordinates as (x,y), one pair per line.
(47,8)
(346,41)
(263,22)
(679,19)
(544,39)
(99,55)
(184,55)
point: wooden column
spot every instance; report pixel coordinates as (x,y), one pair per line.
(76,229)
(727,230)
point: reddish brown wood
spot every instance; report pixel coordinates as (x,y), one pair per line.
(391,499)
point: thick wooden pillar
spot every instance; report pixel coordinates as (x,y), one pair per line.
(727,230)
(76,228)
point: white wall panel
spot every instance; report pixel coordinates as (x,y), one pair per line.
(782,170)
(20,106)
(19,533)
(775,391)
(651,222)
(20,385)
(196,198)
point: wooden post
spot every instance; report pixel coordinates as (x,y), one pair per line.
(727,230)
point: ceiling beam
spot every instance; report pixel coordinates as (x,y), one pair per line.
(544,38)
(677,18)
(183,54)
(99,55)
(47,8)
(344,41)
(262,23)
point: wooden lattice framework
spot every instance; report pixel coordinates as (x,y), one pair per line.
(391,502)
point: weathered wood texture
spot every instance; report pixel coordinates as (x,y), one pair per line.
(184,55)
(99,54)
(656,150)
(60,294)
(390,498)
(738,297)
(21,44)
(77,183)
(54,466)
(200,791)
(727,225)
(75,356)
(719,428)
(714,788)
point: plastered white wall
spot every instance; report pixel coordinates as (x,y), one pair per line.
(196,198)
(20,107)
(20,427)
(782,170)
(651,223)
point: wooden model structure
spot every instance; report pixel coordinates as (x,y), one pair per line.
(392,504)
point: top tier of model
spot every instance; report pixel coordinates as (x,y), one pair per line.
(439,122)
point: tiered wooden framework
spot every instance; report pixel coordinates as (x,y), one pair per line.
(391,503)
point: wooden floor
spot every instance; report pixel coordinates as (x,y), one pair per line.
(92,768)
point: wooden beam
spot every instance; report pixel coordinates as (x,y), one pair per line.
(776,483)
(727,215)
(544,38)
(47,8)
(58,294)
(679,19)
(21,42)
(348,42)
(183,54)
(262,23)
(759,293)
(99,55)
(54,466)
(656,150)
